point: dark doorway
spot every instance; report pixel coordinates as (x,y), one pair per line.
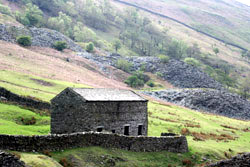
(126,130)
(99,129)
(139,130)
(113,131)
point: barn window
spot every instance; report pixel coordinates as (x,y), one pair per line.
(113,131)
(126,130)
(139,130)
(99,128)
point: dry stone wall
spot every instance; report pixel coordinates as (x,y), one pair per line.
(6,95)
(84,139)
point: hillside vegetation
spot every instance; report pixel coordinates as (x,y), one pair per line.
(226,19)
(114,27)
(100,27)
(208,136)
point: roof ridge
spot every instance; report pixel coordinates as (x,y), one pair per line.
(108,94)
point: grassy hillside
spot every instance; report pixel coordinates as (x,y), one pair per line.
(104,22)
(14,118)
(210,136)
(43,72)
(227,19)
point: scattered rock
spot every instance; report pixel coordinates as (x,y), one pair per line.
(41,37)
(237,161)
(210,100)
(176,72)
(9,160)
(3,98)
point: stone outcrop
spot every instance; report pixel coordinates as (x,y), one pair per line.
(237,161)
(8,96)
(85,139)
(209,100)
(9,160)
(176,72)
(41,37)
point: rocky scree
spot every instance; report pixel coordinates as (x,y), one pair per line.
(176,72)
(9,160)
(237,161)
(209,100)
(41,37)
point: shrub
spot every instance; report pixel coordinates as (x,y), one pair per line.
(48,153)
(164,59)
(24,40)
(134,81)
(124,65)
(90,47)
(140,75)
(28,121)
(5,10)
(192,61)
(151,83)
(60,45)
(138,79)
(159,74)
(65,163)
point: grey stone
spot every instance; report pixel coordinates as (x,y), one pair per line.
(9,160)
(58,142)
(41,37)
(176,72)
(24,101)
(77,110)
(209,100)
(237,161)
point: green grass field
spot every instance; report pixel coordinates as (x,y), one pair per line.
(163,118)
(10,121)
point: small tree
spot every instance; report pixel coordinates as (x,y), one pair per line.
(245,88)
(5,10)
(216,51)
(117,45)
(33,14)
(24,40)
(60,45)
(151,83)
(192,61)
(164,59)
(124,65)
(90,47)
(134,81)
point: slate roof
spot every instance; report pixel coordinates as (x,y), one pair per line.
(104,94)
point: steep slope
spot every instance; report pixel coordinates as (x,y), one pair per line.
(225,19)
(175,72)
(52,64)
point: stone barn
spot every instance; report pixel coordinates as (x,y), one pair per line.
(110,110)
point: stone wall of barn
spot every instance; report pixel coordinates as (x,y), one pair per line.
(80,116)
(85,139)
